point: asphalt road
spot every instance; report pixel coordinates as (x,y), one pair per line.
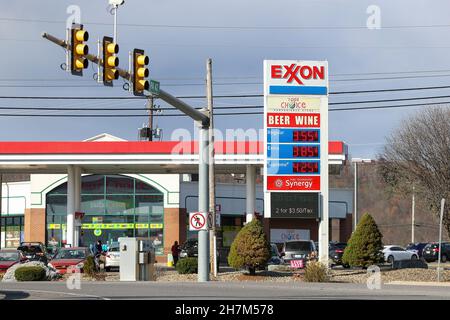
(215,290)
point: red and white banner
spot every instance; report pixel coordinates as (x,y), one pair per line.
(297,264)
(293,183)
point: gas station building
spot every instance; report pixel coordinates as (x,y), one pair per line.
(142,189)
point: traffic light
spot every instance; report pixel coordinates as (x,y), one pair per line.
(140,72)
(78,49)
(110,61)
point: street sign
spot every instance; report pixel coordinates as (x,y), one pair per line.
(197,221)
(154,87)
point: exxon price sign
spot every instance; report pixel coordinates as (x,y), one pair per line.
(296,128)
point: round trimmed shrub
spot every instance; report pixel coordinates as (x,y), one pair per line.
(187,265)
(30,274)
(250,249)
(365,245)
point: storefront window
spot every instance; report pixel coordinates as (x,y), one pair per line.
(115,206)
(11,231)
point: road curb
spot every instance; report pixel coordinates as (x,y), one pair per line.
(415,283)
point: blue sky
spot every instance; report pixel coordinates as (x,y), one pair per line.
(238,35)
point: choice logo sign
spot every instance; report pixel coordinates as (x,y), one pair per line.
(292,77)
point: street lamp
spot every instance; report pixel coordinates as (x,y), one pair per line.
(355,161)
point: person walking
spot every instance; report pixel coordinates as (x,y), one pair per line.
(175,252)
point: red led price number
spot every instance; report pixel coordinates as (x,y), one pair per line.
(305,136)
(305,167)
(305,151)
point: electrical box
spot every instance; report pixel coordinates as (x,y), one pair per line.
(137,258)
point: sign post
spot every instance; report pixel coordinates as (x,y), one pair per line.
(296,143)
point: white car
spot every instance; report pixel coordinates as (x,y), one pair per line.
(112,258)
(396,253)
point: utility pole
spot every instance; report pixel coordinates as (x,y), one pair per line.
(413,218)
(356,196)
(1,189)
(150,118)
(212,182)
(440,239)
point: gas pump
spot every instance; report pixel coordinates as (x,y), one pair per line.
(137,258)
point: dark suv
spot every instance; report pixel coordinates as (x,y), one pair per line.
(431,251)
(34,251)
(336,251)
(417,248)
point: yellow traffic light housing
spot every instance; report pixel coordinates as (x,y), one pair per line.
(78,49)
(110,61)
(140,72)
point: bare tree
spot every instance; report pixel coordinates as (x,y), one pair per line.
(418,153)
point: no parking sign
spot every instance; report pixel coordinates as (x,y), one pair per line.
(197,221)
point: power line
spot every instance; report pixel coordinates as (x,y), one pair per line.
(232,27)
(243,95)
(217,114)
(218,107)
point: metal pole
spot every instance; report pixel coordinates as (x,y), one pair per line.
(1,200)
(250,199)
(212,183)
(413,218)
(355,211)
(203,181)
(70,205)
(150,118)
(440,239)
(115,23)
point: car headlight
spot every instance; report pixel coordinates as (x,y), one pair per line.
(80,265)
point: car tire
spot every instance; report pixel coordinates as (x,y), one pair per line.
(346,266)
(444,258)
(414,257)
(390,260)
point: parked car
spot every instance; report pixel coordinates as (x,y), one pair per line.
(396,253)
(69,257)
(189,249)
(276,257)
(9,257)
(35,251)
(112,257)
(299,249)
(336,251)
(417,248)
(431,251)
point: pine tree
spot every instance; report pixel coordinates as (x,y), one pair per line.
(250,248)
(365,245)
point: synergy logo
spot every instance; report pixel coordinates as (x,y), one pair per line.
(297,73)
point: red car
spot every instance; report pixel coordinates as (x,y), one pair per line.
(9,257)
(69,258)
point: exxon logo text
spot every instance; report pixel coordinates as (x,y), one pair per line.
(296,72)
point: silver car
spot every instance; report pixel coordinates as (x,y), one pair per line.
(299,250)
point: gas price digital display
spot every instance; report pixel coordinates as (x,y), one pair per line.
(305,167)
(305,135)
(305,151)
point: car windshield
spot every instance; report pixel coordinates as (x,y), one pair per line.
(298,245)
(71,254)
(338,246)
(9,256)
(30,249)
(432,246)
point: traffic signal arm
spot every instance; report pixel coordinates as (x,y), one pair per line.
(174,101)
